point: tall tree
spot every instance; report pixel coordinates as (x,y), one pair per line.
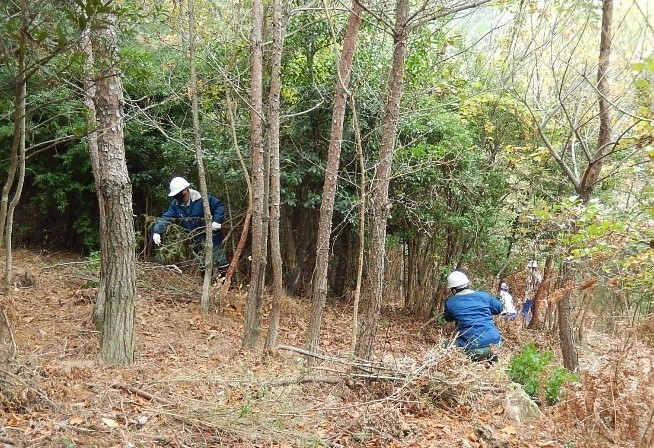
(380,183)
(118,285)
(18,146)
(572,114)
(379,203)
(319,287)
(279,27)
(251,327)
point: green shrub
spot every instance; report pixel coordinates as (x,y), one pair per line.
(533,368)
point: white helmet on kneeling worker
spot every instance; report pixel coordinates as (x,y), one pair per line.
(457,280)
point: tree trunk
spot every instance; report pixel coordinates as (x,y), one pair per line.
(536,312)
(248,213)
(94,155)
(566,333)
(17,150)
(197,144)
(254,302)
(591,175)
(362,228)
(119,283)
(380,185)
(275,183)
(319,292)
(594,168)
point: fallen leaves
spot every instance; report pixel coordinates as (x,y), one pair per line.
(110,422)
(76,420)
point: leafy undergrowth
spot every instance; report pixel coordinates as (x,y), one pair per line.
(192,386)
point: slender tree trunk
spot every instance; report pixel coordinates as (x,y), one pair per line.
(119,285)
(380,185)
(197,144)
(319,292)
(275,185)
(94,155)
(362,226)
(18,147)
(248,213)
(254,302)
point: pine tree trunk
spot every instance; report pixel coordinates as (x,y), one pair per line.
(319,290)
(251,327)
(119,283)
(379,191)
(279,28)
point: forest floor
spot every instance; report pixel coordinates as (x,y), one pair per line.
(193,386)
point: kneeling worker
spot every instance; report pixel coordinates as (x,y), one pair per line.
(473,313)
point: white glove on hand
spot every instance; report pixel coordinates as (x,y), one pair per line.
(215,226)
(156,238)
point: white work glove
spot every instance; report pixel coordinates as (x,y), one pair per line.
(156,238)
(215,225)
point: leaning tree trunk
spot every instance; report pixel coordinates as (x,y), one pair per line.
(251,326)
(275,183)
(119,285)
(248,213)
(94,155)
(362,228)
(331,179)
(380,185)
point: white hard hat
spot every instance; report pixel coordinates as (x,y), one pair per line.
(532,264)
(457,279)
(504,287)
(177,184)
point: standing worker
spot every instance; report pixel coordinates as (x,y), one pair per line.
(473,313)
(534,279)
(506,298)
(187,209)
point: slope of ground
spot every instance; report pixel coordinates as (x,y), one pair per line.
(192,386)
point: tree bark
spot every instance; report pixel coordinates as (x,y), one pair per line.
(279,27)
(380,185)
(119,283)
(566,333)
(319,290)
(536,312)
(251,327)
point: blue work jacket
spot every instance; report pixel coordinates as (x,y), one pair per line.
(191,216)
(473,313)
